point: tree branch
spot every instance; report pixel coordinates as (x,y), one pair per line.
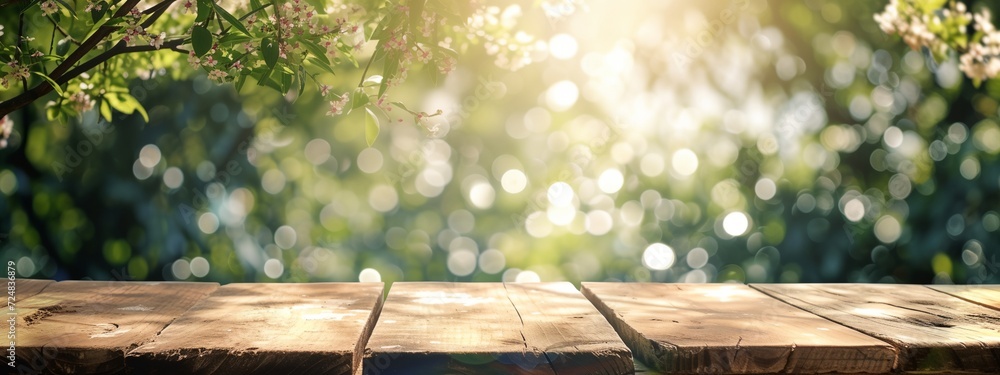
(59,74)
(120,49)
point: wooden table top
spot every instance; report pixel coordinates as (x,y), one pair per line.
(96,327)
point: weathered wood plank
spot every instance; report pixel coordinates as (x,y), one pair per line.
(574,336)
(315,328)
(86,327)
(986,295)
(487,328)
(730,328)
(25,288)
(932,331)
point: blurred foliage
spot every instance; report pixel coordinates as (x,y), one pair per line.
(750,141)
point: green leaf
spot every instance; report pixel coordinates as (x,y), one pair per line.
(348,53)
(358,99)
(929,6)
(403,107)
(320,5)
(372,80)
(318,51)
(389,71)
(286,81)
(232,20)
(269,50)
(240,81)
(416,13)
(52,113)
(62,47)
(96,14)
(325,65)
(118,104)
(55,85)
(388,24)
(371,127)
(300,76)
(134,103)
(201,40)
(204,10)
(231,39)
(105,110)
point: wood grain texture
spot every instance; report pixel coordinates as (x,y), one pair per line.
(28,287)
(730,328)
(986,295)
(490,328)
(933,331)
(86,327)
(314,328)
(574,336)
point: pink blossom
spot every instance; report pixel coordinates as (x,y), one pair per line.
(49,7)
(6,127)
(157,41)
(218,75)
(337,106)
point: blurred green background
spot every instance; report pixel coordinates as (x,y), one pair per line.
(750,141)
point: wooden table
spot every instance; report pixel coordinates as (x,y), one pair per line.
(93,327)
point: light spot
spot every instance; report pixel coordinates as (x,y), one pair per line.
(736,223)
(481,194)
(208,223)
(685,162)
(765,188)
(969,168)
(383,198)
(651,165)
(136,308)
(562,46)
(113,331)
(514,181)
(562,95)
(893,137)
(697,258)
(900,186)
(658,257)
(317,151)
(854,210)
(887,229)
(149,156)
(8,182)
(181,269)
(140,171)
(537,225)
(285,237)
(273,181)
(461,262)
(610,181)
(599,222)
(527,277)
(273,268)
(369,275)
(561,215)
(370,160)
(492,261)
(199,267)
(560,194)
(173,177)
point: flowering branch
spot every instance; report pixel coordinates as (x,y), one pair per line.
(941,28)
(281,44)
